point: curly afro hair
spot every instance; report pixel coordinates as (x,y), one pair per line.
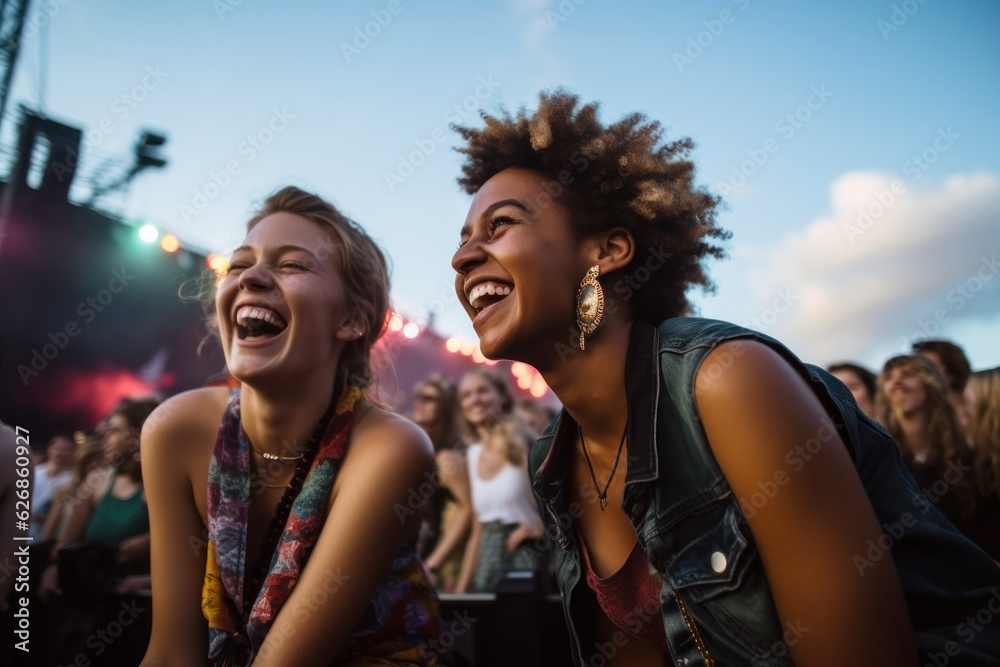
(619,175)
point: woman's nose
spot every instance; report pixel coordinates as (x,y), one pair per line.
(255,277)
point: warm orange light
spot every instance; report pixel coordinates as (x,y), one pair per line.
(477,356)
(410,330)
(519,368)
(170,243)
(217,262)
(491,362)
(467,348)
(538,387)
(395,322)
(453,345)
(524,382)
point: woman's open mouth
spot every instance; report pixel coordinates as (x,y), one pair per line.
(486,295)
(258,323)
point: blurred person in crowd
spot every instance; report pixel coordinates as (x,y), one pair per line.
(110,506)
(102,549)
(861,381)
(950,359)
(984,433)
(535,415)
(507,523)
(56,470)
(913,403)
(306,561)
(89,457)
(706,489)
(448,513)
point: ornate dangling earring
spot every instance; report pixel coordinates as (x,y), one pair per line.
(589,304)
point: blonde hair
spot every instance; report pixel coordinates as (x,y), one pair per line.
(947,442)
(508,439)
(984,429)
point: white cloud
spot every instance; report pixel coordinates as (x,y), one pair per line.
(886,264)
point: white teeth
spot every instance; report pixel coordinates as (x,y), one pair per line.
(253,313)
(484,289)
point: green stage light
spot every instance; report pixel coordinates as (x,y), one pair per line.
(148,233)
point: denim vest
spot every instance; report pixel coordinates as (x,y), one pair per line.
(715,599)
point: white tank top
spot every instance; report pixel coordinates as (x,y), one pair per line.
(505,497)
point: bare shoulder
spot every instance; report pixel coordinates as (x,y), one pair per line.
(736,366)
(183,420)
(379,429)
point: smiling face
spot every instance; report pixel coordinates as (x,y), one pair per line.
(281,307)
(518,268)
(904,390)
(479,400)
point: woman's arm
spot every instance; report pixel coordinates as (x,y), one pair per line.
(80,510)
(362,534)
(470,561)
(759,415)
(454,474)
(177,535)
(59,496)
(82,506)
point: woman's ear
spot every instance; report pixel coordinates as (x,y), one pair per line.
(615,249)
(350,330)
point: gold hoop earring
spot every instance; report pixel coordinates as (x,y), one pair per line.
(589,304)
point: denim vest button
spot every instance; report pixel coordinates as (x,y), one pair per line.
(637,509)
(682,661)
(719,562)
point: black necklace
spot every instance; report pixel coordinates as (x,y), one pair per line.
(602,495)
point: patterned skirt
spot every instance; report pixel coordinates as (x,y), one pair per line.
(495,560)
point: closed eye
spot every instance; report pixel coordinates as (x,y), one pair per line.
(498,221)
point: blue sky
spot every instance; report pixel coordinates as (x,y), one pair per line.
(806,118)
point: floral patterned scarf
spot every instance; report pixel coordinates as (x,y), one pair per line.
(403,615)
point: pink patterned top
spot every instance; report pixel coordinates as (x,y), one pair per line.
(630,597)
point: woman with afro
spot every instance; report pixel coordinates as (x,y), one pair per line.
(712,499)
